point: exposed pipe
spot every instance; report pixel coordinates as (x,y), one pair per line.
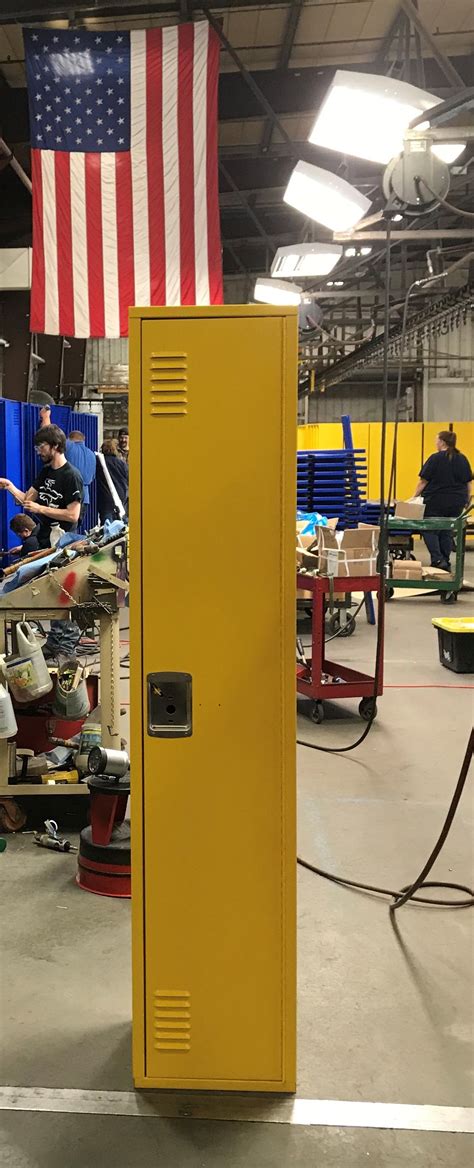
(15,165)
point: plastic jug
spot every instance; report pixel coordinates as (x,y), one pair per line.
(8,726)
(55,534)
(27,674)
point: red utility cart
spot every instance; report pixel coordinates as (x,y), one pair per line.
(316,679)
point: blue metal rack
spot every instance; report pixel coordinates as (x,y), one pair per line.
(19,462)
(333,483)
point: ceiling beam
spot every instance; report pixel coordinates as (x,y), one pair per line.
(245,203)
(248,77)
(286,49)
(443,60)
(388,39)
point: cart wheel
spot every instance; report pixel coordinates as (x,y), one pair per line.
(334,622)
(448,597)
(317,713)
(349,628)
(389,592)
(368,709)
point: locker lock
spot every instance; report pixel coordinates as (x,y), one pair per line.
(169,705)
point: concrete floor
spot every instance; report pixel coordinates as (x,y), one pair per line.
(381,1017)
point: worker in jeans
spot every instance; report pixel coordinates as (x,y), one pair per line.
(446,485)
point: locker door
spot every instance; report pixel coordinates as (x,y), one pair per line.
(218,604)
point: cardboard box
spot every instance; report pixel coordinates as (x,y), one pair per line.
(407,570)
(436,574)
(348,553)
(410,510)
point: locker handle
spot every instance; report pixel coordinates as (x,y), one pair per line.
(170,705)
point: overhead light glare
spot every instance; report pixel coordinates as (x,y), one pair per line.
(448,152)
(397,218)
(306,259)
(270,291)
(367,116)
(365,251)
(350,252)
(339,283)
(325,197)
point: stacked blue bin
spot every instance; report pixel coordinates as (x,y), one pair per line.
(333,482)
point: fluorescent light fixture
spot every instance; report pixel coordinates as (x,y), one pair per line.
(306,259)
(367,116)
(270,291)
(325,197)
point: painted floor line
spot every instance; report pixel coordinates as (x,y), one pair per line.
(242,1109)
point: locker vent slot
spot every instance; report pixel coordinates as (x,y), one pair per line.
(172,1020)
(168,384)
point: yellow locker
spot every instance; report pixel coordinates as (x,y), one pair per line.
(465,438)
(409,458)
(430,430)
(375,448)
(213,706)
(331,436)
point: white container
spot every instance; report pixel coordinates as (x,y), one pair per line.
(8,726)
(55,534)
(27,675)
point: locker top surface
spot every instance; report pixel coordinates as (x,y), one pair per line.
(209,310)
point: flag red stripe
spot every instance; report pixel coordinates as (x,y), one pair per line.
(62,160)
(38,277)
(213,221)
(124,197)
(186,162)
(95,262)
(154,134)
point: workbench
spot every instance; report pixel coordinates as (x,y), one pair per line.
(87,582)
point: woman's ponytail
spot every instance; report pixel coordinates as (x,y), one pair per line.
(449,438)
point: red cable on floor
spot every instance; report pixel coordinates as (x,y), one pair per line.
(436,685)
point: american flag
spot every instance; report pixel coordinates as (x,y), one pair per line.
(124,174)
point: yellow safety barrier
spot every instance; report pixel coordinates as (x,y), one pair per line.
(415,442)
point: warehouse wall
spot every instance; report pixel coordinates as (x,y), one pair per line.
(448,375)
(103,351)
(362,401)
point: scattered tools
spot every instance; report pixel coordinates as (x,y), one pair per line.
(51,838)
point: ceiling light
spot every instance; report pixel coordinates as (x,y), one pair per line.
(270,291)
(350,251)
(306,259)
(365,251)
(325,197)
(338,283)
(397,218)
(367,116)
(330,283)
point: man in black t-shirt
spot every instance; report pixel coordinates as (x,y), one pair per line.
(57,492)
(55,497)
